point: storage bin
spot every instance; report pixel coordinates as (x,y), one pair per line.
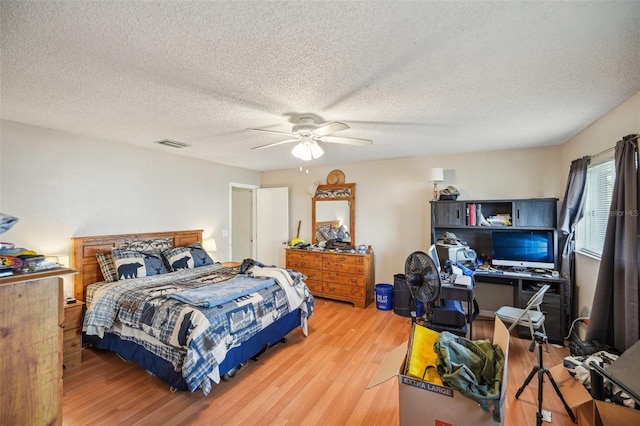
(384,296)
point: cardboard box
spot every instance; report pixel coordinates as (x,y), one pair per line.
(427,403)
(588,411)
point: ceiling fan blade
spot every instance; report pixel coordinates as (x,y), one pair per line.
(273,131)
(332,127)
(346,141)
(269,145)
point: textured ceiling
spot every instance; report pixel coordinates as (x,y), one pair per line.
(418,78)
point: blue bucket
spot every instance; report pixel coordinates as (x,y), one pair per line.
(384,297)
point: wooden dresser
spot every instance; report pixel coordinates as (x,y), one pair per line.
(72,341)
(31,317)
(340,276)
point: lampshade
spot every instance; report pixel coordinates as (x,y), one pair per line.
(307,150)
(209,245)
(437,174)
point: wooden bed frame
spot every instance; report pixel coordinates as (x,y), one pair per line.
(84,250)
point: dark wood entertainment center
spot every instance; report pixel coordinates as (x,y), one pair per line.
(522,214)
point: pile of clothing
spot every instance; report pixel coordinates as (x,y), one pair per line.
(578,368)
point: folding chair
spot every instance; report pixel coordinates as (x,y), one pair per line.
(531,316)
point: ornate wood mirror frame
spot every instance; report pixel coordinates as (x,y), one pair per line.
(340,193)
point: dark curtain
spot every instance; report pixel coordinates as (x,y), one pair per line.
(571,212)
(615,314)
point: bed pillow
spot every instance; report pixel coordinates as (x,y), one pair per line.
(136,264)
(108,268)
(187,257)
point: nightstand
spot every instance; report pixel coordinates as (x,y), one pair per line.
(72,340)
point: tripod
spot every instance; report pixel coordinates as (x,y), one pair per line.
(539,339)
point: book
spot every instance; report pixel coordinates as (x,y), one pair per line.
(472,215)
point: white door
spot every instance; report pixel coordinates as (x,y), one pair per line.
(272,225)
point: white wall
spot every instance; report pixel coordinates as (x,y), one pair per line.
(62,185)
(601,135)
(392,196)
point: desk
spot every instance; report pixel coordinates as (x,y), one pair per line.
(463,294)
(555,304)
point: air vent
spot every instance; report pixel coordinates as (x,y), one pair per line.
(173,144)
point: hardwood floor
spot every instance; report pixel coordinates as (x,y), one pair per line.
(320,379)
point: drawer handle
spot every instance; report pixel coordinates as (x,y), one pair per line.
(61,325)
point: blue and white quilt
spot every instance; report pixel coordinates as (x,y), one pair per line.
(192,317)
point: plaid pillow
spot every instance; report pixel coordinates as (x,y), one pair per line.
(108,268)
(187,257)
(136,264)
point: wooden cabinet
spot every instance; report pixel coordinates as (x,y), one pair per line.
(342,276)
(31,316)
(535,213)
(551,307)
(72,336)
(449,213)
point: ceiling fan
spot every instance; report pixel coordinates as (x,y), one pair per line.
(308,133)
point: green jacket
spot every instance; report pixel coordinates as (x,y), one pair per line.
(474,368)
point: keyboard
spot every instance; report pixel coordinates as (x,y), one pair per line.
(518,274)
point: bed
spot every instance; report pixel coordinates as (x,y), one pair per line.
(182,317)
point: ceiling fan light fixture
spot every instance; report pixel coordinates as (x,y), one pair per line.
(307,150)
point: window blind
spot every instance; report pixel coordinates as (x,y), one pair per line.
(593,226)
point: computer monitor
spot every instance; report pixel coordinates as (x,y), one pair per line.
(434,256)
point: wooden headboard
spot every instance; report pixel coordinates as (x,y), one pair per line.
(84,250)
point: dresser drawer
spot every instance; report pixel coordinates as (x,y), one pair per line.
(350,267)
(73,315)
(342,290)
(314,286)
(303,259)
(311,274)
(343,278)
(71,359)
(329,260)
(72,340)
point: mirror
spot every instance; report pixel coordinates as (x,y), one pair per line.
(333,213)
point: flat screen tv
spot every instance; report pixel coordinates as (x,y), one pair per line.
(524,249)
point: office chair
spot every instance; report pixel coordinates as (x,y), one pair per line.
(531,316)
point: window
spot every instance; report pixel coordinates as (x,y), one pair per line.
(592,227)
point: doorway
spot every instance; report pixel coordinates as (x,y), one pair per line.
(242,223)
(259,223)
